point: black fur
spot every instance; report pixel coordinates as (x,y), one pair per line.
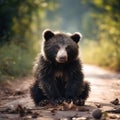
(59,81)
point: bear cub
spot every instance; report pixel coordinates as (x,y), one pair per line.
(58,71)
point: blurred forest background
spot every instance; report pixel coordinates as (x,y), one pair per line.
(22,22)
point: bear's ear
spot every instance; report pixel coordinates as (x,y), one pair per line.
(47,34)
(76,37)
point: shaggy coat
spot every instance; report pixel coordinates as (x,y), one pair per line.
(58,71)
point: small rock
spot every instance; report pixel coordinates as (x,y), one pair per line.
(113,117)
(115,102)
(18,92)
(98,105)
(35,115)
(97,113)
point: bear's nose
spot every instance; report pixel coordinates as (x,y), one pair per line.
(64,58)
(61,59)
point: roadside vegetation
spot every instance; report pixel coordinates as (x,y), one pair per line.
(103,50)
(22,22)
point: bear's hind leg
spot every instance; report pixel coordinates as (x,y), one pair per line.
(37,95)
(86,89)
(84,94)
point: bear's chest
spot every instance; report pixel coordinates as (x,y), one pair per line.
(60,80)
(61,76)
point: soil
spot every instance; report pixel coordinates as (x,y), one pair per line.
(103,102)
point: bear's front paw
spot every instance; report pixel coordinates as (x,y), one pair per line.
(68,100)
(61,100)
(79,102)
(57,101)
(43,102)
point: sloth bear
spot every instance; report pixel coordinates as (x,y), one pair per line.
(58,71)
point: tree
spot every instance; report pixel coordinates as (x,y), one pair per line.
(20,26)
(106,13)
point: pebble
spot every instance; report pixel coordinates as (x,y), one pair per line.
(97,113)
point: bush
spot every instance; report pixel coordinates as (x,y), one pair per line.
(15,61)
(103,53)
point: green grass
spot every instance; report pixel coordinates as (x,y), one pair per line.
(104,53)
(15,61)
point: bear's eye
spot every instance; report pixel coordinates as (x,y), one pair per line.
(69,47)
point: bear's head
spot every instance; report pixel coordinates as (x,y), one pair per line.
(60,47)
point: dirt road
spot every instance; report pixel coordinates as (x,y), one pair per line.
(105,87)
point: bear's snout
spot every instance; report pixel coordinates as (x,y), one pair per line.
(63,59)
(62,56)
